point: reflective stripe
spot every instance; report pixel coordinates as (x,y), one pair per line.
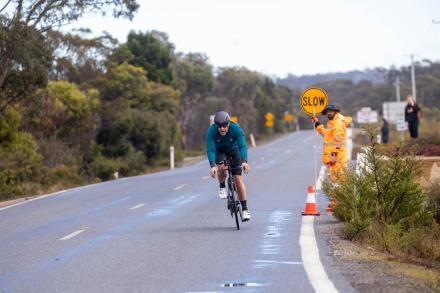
(342,144)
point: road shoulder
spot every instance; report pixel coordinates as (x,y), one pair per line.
(367,270)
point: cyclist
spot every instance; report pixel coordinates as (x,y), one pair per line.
(226,138)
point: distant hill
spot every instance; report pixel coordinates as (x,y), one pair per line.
(303,81)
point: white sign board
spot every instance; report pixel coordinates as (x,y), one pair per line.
(401,125)
(394,111)
(366,115)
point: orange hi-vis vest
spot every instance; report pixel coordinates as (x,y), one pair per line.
(335,140)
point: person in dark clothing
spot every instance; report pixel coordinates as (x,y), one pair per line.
(412,115)
(385,130)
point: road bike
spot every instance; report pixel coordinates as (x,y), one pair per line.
(234,204)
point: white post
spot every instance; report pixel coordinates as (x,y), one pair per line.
(172,158)
(254,145)
(379,139)
(297,124)
(116,175)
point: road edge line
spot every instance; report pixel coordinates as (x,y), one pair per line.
(315,271)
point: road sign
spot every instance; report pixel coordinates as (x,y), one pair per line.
(313,100)
(394,111)
(288,117)
(401,125)
(269,123)
(366,115)
(234,119)
(269,116)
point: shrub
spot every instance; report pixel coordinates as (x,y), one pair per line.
(433,193)
(62,176)
(19,158)
(382,203)
(104,168)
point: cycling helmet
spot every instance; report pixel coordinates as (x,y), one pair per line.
(221,118)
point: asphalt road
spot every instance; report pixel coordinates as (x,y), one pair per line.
(168,232)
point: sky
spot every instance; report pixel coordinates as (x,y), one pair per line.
(277,37)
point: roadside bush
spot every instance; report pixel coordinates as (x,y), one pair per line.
(19,158)
(382,203)
(62,177)
(103,168)
(433,193)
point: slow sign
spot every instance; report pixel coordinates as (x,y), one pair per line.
(314,100)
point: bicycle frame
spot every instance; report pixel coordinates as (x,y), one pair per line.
(234,204)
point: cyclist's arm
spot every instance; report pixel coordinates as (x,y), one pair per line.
(210,147)
(242,145)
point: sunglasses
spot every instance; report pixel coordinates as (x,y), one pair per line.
(223,125)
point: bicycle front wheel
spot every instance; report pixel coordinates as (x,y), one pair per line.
(234,206)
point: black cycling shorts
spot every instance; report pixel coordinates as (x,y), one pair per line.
(235,162)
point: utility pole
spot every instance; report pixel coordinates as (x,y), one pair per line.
(397,85)
(413,78)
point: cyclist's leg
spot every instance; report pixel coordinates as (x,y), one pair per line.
(236,169)
(222,170)
(240,187)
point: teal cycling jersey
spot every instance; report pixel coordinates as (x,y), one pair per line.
(234,139)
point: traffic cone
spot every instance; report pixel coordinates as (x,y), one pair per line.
(311,208)
(330,205)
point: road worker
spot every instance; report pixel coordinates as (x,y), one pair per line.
(334,151)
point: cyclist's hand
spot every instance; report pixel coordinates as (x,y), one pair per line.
(314,119)
(246,167)
(213,171)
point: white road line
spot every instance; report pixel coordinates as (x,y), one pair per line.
(307,138)
(179,187)
(206,177)
(137,206)
(310,255)
(73,234)
(33,199)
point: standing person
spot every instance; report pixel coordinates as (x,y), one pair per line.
(385,130)
(412,115)
(334,150)
(226,138)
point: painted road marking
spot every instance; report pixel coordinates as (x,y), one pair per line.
(278,262)
(310,255)
(206,177)
(307,138)
(137,206)
(179,187)
(73,234)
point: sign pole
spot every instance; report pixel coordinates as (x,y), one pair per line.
(313,101)
(314,148)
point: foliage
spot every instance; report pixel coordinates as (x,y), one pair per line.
(19,159)
(25,59)
(25,54)
(153,52)
(381,202)
(64,112)
(433,193)
(79,59)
